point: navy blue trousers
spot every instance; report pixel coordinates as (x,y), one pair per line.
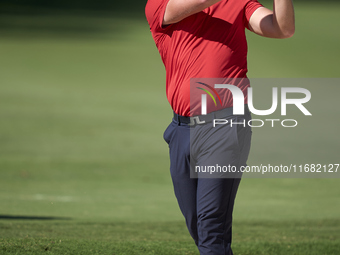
(207,203)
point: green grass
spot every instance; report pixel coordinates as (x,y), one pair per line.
(171,237)
(78,139)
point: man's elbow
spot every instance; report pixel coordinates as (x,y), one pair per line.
(287,32)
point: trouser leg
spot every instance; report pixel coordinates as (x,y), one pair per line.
(207,203)
(215,201)
(178,138)
(222,146)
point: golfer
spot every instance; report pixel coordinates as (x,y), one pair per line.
(202,39)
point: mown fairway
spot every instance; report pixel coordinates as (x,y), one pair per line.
(84,169)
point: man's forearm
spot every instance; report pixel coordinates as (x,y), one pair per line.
(279,23)
(177,10)
(283,17)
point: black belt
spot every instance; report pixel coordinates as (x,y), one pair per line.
(201,119)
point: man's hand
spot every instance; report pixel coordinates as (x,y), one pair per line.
(177,10)
(279,23)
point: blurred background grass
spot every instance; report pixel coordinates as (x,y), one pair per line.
(83,110)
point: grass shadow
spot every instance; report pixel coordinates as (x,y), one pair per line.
(24,217)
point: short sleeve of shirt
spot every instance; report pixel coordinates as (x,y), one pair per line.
(250,8)
(154,12)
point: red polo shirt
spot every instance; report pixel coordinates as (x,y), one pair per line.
(208,44)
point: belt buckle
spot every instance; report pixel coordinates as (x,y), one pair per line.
(195,119)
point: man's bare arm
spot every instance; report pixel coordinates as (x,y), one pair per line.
(279,23)
(177,10)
